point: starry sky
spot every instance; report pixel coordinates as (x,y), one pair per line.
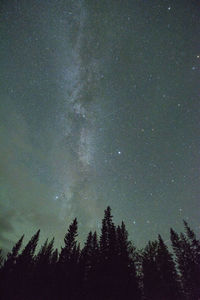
(99,105)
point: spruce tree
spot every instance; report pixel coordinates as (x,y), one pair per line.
(89,260)
(24,270)
(127,281)
(151,276)
(42,270)
(8,272)
(70,243)
(187,255)
(107,258)
(12,256)
(170,285)
(67,265)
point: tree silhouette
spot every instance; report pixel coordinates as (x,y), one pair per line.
(12,256)
(160,278)
(17,271)
(89,261)
(169,285)
(151,278)
(186,248)
(43,270)
(107,258)
(7,275)
(128,285)
(68,263)
(108,268)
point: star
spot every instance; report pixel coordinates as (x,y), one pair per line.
(119,152)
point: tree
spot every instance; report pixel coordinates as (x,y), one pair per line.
(27,254)
(128,284)
(107,258)
(151,278)
(186,248)
(160,279)
(7,277)
(70,243)
(43,271)
(108,236)
(67,266)
(170,285)
(117,268)
(89,260)
(12,256)
(24,269)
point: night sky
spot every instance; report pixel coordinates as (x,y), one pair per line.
(99,105)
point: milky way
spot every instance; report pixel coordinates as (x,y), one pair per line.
(99,106)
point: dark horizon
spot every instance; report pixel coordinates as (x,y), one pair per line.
(107,267)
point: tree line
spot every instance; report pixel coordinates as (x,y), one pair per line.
(106,268)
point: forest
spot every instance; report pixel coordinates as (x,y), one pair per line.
(107,267)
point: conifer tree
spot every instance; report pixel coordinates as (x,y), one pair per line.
(67,266)
(70,243)
(170,285)
(12,256)
(187,254)
(106,268)
(23,271)
(89,260)
(26,257)
(7,276)
(128,285)
(151,278)
(42,271)
(108,236)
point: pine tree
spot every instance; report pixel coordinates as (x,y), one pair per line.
(12,256)
(89,260)
(127,281)
(67,265)
(8,270)
(151,278)
(43,271)
(70,243)
(108,236)
(170,285)
(187,255)
(24,271)
(27,254)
